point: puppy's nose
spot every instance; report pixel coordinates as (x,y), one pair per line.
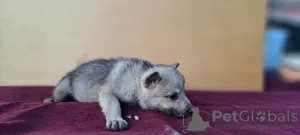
(190,111)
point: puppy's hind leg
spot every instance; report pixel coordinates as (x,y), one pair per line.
(62,92)
(111,108)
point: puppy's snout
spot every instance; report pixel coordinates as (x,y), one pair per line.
(188,112)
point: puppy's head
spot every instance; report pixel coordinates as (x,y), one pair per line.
(163,90)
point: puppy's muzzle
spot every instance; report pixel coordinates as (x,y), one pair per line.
(188,112)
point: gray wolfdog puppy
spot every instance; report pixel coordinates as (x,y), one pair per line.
(131,81)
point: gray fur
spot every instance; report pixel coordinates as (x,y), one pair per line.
(131,81)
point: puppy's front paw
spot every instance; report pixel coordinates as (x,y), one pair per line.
(116,124)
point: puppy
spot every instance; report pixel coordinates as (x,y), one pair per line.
(131,81)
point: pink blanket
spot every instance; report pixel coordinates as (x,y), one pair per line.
(22,112)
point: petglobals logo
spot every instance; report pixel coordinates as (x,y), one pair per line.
(252,115)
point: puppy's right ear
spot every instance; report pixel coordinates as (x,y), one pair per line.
(174,66)
(152,80)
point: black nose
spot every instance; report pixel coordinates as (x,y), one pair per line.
(190,111)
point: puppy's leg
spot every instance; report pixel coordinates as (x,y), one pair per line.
(62,90)
(111,108)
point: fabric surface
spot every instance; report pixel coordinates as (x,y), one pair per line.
(22,112)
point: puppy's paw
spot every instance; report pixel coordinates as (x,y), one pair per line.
(48,100)
(116,124)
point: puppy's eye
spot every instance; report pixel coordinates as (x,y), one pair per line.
(174,96)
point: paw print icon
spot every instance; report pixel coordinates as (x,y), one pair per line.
(261,116)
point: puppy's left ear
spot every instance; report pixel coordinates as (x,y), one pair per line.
(174,66)
(152,80)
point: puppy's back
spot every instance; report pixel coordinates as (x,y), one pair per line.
(95,72)
(99,70)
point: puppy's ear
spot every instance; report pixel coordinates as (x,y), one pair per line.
(152,80)
(174,66)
